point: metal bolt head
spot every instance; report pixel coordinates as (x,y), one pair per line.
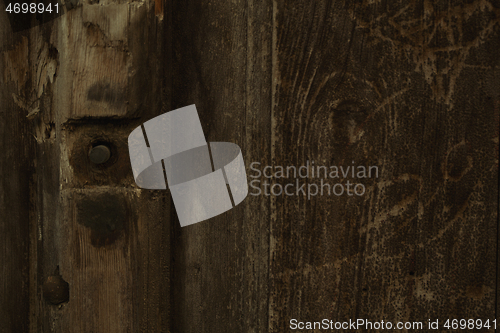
(55,290)
(99,154)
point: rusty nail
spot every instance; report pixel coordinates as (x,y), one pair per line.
(55,289)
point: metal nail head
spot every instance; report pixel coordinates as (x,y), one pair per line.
(99,154)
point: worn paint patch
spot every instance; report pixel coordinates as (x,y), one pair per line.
(97,46)
(105,214)
(106,93)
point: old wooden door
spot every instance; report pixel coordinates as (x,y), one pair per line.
(410,88)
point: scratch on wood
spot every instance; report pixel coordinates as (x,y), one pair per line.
(437,42)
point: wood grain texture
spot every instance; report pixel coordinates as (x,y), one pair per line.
(90,80)
(409,88)
(114,245)
(222,63)
(16,168)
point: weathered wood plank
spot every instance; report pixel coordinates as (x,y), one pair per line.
(222,63)
(407,87)
(110,241)
(16,168)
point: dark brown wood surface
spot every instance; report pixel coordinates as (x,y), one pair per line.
(403,87)
(89,79)
(16,189)
(410,87)
(222,63)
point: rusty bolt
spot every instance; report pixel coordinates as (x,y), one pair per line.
(56,290)
(99,154)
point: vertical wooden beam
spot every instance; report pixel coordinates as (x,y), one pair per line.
(410,88)
(86,78)
(222,64)
(16,170)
